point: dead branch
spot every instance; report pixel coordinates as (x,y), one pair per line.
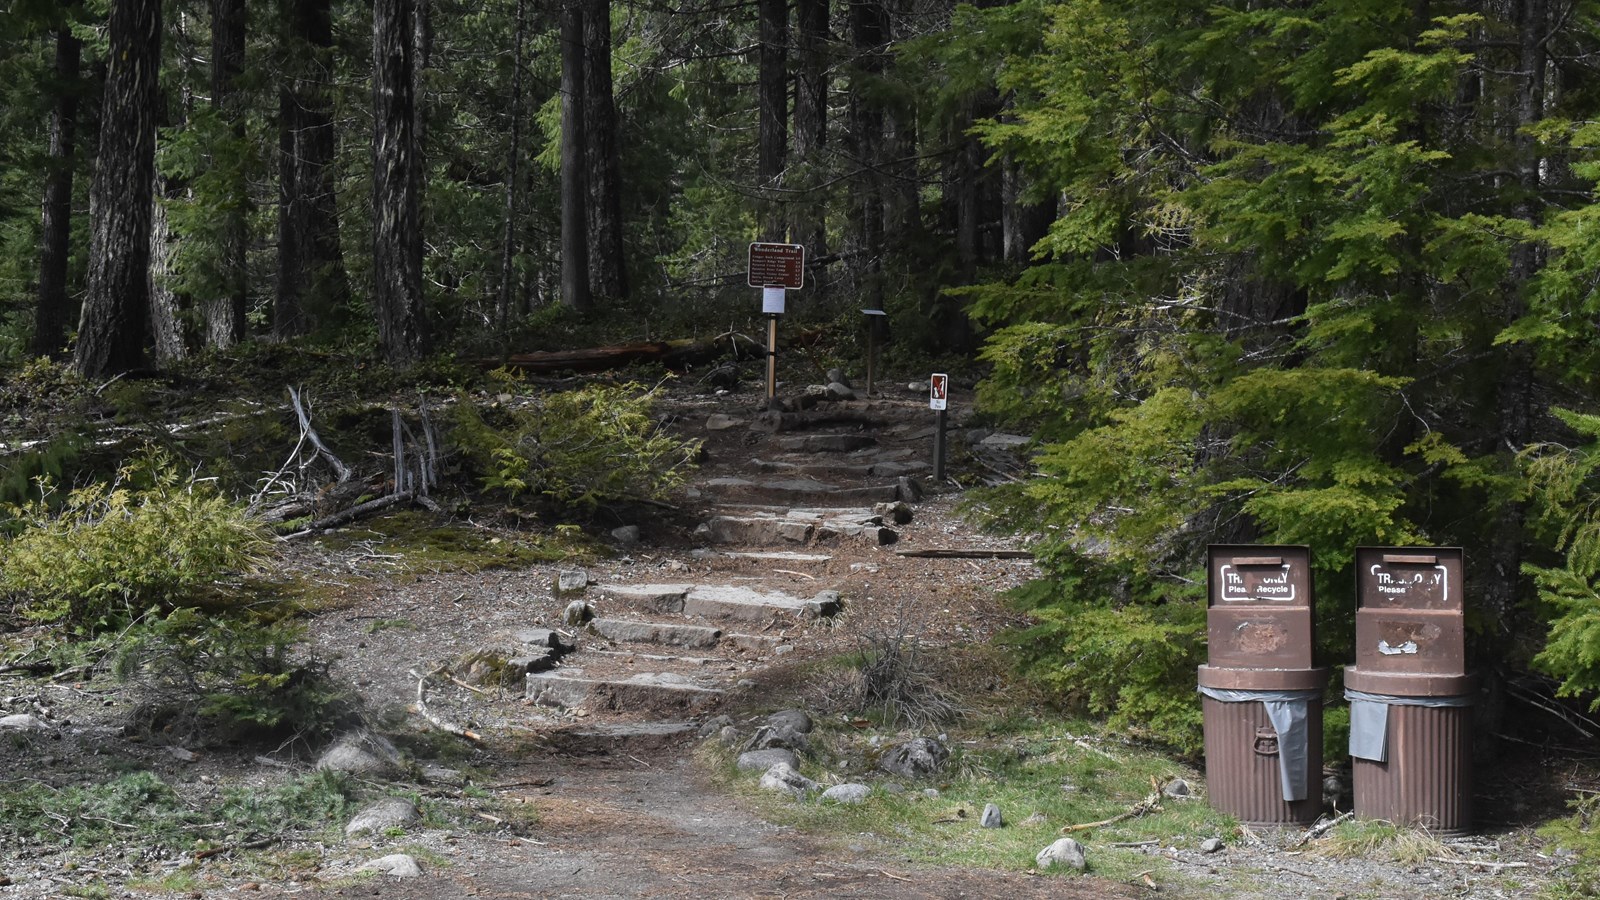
(316,441)
(435,721)
(351,514)
(960,553)
(1317,831)
(1149,804)
(1493,867)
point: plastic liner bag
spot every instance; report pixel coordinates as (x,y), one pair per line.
(1288,711)
(1369,719)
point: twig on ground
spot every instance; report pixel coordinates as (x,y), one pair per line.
(1493,867)
(1149,804)
(1317,831)
(435,721)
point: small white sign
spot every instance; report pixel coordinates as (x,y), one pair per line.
(772,299)
(938,391)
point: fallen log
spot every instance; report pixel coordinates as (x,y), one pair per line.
(679,355)
(959,553)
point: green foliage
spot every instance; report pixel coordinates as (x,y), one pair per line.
(1580,832)
(1117,646)
(99,815)
(236,673)
(576,449)
(150,537)
(1566,493)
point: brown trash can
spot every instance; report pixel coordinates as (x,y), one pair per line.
(1244,775)
(1425,779)
(1410,695)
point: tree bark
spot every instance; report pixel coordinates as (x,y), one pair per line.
(607,269)
(867,34)
(508,249)
(111,330)
(225,309)
(312,284)
(811,122)
(396,185)
(773,126)
(166,305)
(574,165)
(50,316)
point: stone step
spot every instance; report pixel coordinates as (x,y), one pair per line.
(795,527)
(646,690)
(656,657)
(881,468)
(629,631)
(712,601)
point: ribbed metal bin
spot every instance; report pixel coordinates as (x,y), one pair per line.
(1426,780)
(1242,766)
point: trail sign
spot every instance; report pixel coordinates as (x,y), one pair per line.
(938,391)
(776,265)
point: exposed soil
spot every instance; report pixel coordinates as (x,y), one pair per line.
(624,811)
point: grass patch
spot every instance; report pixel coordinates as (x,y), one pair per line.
(413,542)
(1380,839)
(1044,776)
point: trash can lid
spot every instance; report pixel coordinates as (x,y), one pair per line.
(1263,679)
(1409,684)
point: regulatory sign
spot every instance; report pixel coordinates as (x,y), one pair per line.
(777,265)
(938,391)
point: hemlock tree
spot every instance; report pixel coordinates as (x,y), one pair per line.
(396,185)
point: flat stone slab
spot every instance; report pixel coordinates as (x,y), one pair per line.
(753,643)
(782,556)
(656,633)
(739,603)
(754,530)
(666,598)
(644,690)
(655,657)
(826,443)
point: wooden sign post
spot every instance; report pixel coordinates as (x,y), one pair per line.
(776,269)
(939,401)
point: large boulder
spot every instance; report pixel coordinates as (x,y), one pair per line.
(783,777)
(916,758)
(382,815)
(1064,852)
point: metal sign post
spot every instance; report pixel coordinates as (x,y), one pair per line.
(939,400)
(875,318)
(776,269)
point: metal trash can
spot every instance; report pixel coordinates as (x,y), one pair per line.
(1261,697)
(1410,695)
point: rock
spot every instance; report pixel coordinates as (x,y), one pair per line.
(363,753)
(762,760)
(908,489)
(916,758)
(991,817)
(916,386)
(778,737)
(837,391)
(627,535)
(23,722)
(390,812)
(1002,441)
(1211,845)
(836,376)
(783,650)
(729,736)
(577,613)
(1064,852)
(783,777)
(443,775)
(571,581)
(714,726)
(898,512)
(796,720)
(721,422)
(540,637)
(822,606)
(1177,788)
(850,794)
(397,864)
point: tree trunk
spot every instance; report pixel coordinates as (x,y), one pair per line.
(225,310)
(312,283)
(50,318)
(396,185)
(166,306)
(811,123)
(508,249)
(773,126)
(1024,221)
(607,272)
(111,330)
(867,34)
(574,165)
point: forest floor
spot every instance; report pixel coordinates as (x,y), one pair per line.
(618,795)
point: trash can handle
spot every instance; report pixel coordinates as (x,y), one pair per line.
(1410,560)
(1266,741)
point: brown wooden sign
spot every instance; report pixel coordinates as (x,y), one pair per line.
(777,265)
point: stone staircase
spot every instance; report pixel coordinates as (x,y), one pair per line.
(649,655)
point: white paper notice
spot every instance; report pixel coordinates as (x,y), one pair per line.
(772,300)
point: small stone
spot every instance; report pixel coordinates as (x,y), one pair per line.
(1064,852)
(397,864)
(991,817)
(908,489)
(849,794)
(1035,820)
(714,726)
(729,736)
(796,720)
(571,581)
(378,817)
(823,605)
(837,391)
(916,386)
(916,758)
(1001,441)
(783,650)
(23,722)
(898,512)
(363,753)
(722,422)
(1177,788)
(577,613)
(762,760)
(627,535)
(1211,845)
(442,775)
(784,777)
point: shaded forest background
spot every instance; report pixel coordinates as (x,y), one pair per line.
(1319,272)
